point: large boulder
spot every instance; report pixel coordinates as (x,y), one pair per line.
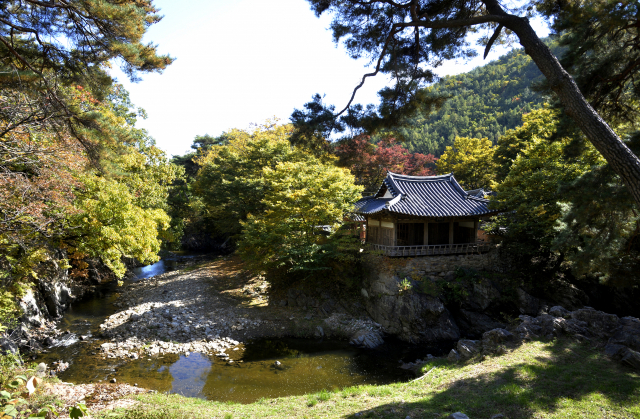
(559,311)
(453,356)
(473,323)
(468,348)
(413,317)
(599,323)
(7,346)
(567,295)
(480,297)
(366,339)
(494,339)
(34,309)
(527,304)
(529,328)
(623,355)
(627,333)
(57,295)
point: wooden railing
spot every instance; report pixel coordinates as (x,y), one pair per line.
(434,249)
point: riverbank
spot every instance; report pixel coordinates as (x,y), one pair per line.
(211,308)
(559,378)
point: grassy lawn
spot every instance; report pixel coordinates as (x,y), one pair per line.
(557,379)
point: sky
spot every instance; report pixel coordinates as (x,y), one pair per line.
(241,62)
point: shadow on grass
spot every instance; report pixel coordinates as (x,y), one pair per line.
(562,375)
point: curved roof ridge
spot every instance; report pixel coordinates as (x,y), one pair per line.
(394,188)
(457,186)
(411,177)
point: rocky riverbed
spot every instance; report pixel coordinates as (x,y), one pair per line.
(212,308)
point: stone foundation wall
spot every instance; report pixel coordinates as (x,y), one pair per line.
(414,316)
(441,266)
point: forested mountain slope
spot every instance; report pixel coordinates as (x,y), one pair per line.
(484,102)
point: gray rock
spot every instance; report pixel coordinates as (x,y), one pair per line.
(453,356)
(468,348)
(627,333)
(412,316)
(57,295)
(41,369)
(613,350)
(567,295)
(33,308)
(8,346)
(481,296)
(631,358)
(367,339)
(550,325)
(475,323)
(599,323)
(457,415)
(623,355)
(493,339)
(497,416)
(319,333)
(574,327)
(529,328)
(527,304)
(559,311)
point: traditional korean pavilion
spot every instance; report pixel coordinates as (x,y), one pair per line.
(423,215)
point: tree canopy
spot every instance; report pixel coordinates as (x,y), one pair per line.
(471,160)
(407,39)
(370,162)
(305,204)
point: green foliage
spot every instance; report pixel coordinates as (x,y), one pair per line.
(531,188)
(471,160)
(185,205)
(112,225)
(541,124)
(305,204)
(404,285)
(231,183)
(110,209)
(8,309)
(599,228)
(483,103)
(602,53)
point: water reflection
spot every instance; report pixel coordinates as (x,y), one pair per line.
(157,268)
(190,375)
(306,367)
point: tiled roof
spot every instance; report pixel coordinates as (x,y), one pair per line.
(425,196)
(356,217)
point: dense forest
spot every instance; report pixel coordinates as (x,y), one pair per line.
(483,103)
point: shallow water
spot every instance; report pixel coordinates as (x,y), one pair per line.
(306,365)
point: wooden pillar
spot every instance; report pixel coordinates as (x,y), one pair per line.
(395,231)
(366,231)
(450,232)
(426,233)
(475,231)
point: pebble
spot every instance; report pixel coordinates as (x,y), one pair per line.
(179,314)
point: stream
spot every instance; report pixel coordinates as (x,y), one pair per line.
(306,365)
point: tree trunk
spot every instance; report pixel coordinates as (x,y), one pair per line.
(618,155)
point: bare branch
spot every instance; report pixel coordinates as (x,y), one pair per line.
(492,40)
(379,63)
